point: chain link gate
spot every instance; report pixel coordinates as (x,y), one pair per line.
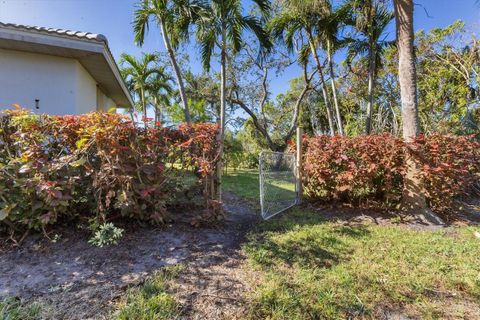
(279,187)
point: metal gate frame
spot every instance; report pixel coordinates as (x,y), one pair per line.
(262,184)
(298,176)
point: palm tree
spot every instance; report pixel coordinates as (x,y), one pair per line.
(159,92)
(222,26)
(330,26)
(173,17)
(304,19)
(413,194)
(137,74)
(371,19)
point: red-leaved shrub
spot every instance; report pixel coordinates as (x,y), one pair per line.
(101,165)
(370,168)
(353,169)
(450,167)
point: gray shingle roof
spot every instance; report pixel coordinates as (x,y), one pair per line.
(59,32)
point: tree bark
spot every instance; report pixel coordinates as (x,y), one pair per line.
(371,86)
(144,107)
(413,200)
(262,128)
(221,134)
(176,69)
(334,89)
(323,86)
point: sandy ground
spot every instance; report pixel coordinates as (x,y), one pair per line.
(78,281)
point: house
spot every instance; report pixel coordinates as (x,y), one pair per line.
(58,72)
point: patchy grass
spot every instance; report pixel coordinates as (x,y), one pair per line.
(151,301)
(311,268)
(15,309)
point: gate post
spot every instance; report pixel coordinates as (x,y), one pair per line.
(298,164)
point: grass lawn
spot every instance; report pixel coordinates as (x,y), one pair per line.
(245,183)
(313,269)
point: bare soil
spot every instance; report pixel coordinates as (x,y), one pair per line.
(74,280)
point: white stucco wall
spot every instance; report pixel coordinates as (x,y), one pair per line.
(104,103)
(25,77)
(86,91)
(61,85)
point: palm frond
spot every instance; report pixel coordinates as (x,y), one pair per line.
(140,22)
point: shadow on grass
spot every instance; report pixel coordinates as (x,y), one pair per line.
(304,238)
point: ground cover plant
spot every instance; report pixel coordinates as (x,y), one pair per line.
(100,166)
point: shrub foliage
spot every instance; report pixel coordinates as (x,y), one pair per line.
(101,165)
(371,168)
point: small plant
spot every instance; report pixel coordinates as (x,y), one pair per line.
(106,234)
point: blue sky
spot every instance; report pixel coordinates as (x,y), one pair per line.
(113,19)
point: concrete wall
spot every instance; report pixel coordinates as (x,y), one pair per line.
(61,85)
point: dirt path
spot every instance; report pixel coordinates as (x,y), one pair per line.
(78,281)
(213,284)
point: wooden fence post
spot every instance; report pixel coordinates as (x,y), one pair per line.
(298,164)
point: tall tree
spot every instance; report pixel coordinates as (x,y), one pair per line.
(330,27)
(275,121)
(222,26)
(159,91)
(371,19)
(413,193)
(173,18)
(137,74)
(299,20)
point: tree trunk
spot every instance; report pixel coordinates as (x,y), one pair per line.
(371,86)
(176,69)
(334,89)
(144,107)
(413,200)
(324,88)
(221,133)
(157,112)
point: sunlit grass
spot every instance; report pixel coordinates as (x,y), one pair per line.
(151,301)
(245,183)
(314,269)
(15,309)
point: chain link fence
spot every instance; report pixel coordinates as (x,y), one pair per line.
(278,183)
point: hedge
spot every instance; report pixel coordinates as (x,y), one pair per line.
(101,166)
(370,168)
